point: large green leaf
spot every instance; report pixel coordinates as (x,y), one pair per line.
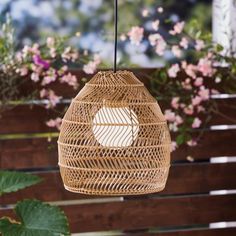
(36,219)
(11,181)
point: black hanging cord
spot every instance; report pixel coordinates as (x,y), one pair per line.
(116,33)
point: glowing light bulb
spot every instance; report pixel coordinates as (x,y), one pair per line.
(115,126)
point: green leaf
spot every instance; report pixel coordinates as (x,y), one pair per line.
(36,219)
(11,181)
(180,139)
(219,48)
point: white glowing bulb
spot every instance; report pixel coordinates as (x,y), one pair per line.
(115,126)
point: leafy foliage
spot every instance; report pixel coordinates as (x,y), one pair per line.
(36,219)
(11,181)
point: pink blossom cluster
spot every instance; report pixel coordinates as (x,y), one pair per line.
(51,97)
(157,41)
(190,93)
(136,35)
(91,66)
(54,123)
(39,65)
(194,94)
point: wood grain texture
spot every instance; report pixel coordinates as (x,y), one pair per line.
(141,214)
(31,119)
(28,153)
(39,153)
(195,232)
(215,143)
(183,179)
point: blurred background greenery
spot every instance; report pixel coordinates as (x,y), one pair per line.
(36,19)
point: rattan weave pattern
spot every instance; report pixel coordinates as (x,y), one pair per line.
(114,139)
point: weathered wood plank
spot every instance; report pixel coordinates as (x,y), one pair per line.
(28,153)
(27,119)
(39,153)
(140,214)
(31,119)
(183,179)
(195,232)
(213,144)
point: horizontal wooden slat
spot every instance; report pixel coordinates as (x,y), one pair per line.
(195,232)
(213,144)
(31,119)
(225,113)
(27,119)
(140,214)
(39,153)
(28,153)
(184,178)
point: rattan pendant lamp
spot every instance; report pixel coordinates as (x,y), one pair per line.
(114,139)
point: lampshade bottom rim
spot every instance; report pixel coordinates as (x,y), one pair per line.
(113,193)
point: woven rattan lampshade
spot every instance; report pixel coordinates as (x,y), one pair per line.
(114,139)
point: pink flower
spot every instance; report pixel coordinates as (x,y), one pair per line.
(199,45)
(51,76)
(176,51)
(190,69)
(51,96)
(90,68)
(188,110)
(173,70)
(26,51)
(155,24)
(136,35)
(192,143)
(198,82)
(204,93)
(178,120)
(200,109)
(54,123)
(178,28)
(69,54)
(70,80)
(184,43)
(175,102)
(158,41)
(214,91)
(160,47)
(205,67)
(34,77)
(173,146)
(43,93)
(196,100)
(53,99)
(169,115)
(48,79)
(22,71)
(40,62)
(37,69)
(196,123)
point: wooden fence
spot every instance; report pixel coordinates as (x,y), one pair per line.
(185,208)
